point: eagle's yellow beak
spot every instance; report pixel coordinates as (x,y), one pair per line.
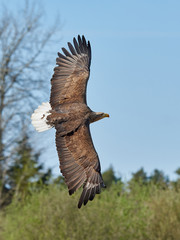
(106,115)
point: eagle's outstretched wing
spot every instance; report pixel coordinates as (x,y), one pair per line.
(79,162)
(71,75)
(70,115)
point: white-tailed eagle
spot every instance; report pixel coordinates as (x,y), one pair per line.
(69,114)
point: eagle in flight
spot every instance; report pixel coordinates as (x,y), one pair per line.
(69,114)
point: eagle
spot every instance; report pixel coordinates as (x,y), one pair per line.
(69,114)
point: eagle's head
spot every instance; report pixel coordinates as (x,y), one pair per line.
(95,116)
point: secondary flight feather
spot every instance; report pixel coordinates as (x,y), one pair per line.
(69,114)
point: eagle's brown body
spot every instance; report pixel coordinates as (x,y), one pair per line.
(71,117)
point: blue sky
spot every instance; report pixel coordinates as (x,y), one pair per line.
(135,77)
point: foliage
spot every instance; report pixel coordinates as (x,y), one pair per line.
(146,213)
(157,177)
(109,177)
(24,173)
(140,176)
(176,184)
(178,172)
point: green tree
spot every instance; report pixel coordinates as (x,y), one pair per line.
(178,172)
(139,177)
(25,172)
(109,177)
(176,184)
(158,178)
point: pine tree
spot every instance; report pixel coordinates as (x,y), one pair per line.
(140,177)
(25,173)
(109,177)
(158,178)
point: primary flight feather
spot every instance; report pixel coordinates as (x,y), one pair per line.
(69,114)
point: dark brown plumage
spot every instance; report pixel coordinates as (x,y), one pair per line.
(71,117)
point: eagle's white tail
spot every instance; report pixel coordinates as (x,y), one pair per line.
(39,117)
